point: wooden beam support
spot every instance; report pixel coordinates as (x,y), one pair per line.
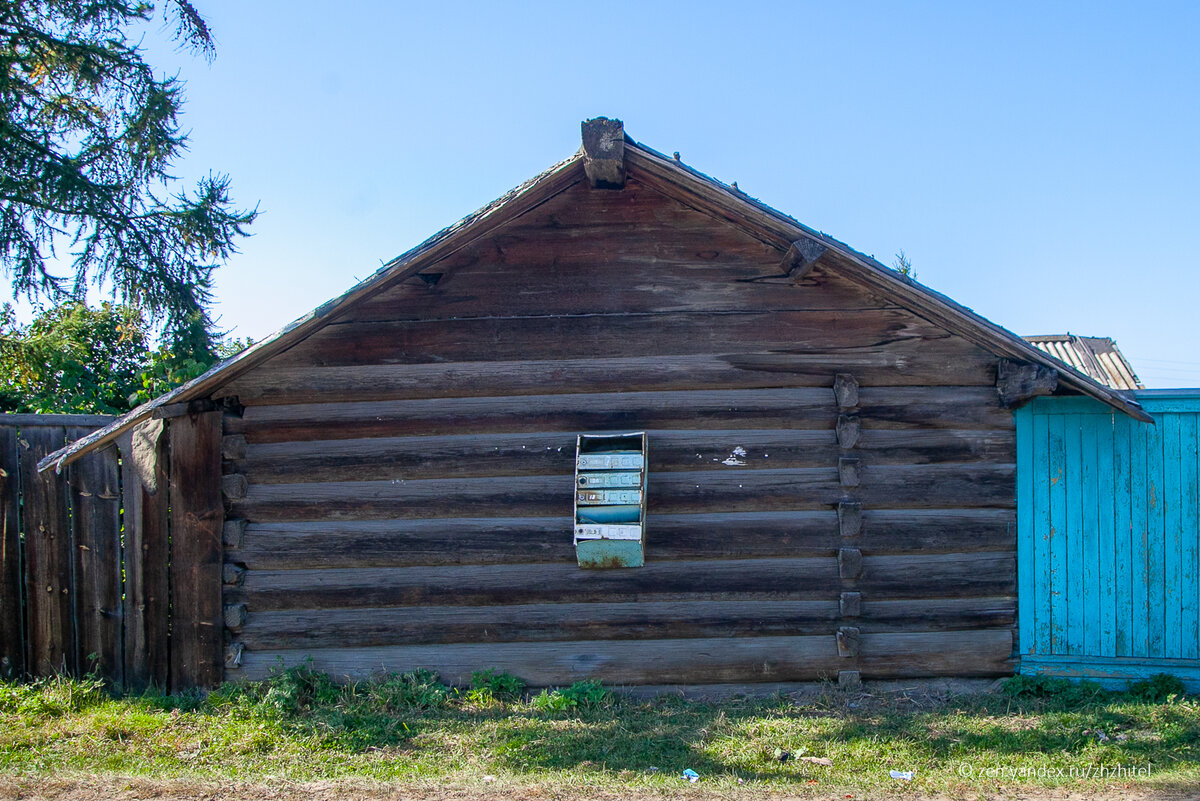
(849,428)
(173,410)
(847,641)
(849,518)
(233,533)
(850,563)
(1020,382)
(233,447)
(850,604)
(234,486)
(604,153)
(233,655)
(235,616)
(850,679)
(845,390)
(848,473)
(801,256)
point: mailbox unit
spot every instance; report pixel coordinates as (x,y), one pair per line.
(610,499)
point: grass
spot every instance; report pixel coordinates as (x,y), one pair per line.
(302,726)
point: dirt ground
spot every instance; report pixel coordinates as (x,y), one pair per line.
(90,788)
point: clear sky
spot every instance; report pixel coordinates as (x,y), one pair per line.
(1037,162)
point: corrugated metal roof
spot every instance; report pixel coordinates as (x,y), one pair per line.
(1096,357)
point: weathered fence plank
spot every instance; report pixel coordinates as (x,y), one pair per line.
(12,637)
(144,497)
(50,619)
(96,522)
(197,516)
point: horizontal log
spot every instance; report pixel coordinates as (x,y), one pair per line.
(944,653)
(548,337)
(56,420)
(644,620)
(799,408)
(689,661)
(732,490)
(542,453)
(452,541)
(883,578)
(908,362)
(353,628)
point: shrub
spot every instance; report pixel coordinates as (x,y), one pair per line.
(488,686)
(1158,689)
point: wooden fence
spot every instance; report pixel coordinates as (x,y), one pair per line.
(1109,538)
(88,582)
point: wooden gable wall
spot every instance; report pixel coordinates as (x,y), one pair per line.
(407,469)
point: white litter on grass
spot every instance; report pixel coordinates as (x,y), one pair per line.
(903,775)
(737,458)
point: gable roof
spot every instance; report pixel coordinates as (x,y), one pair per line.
(1097,357)
(725,202)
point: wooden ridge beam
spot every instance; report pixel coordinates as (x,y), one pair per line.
(801,256)
(604,152)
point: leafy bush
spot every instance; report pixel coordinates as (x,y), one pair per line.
(588,694)
(489,686)
(1160,688)
(552,701)
(417,689)
(53,696)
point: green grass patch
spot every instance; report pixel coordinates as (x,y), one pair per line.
(302,726)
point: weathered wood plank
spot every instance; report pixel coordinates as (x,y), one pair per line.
(355,628)
(641,620)
(734,490)
(12,610)
(553,337)
(50,621)
(799,408)
(485,540)
(470,455)
(948,653)
(690,661)
(883,578)
(96,518)
(144,498)
(197,646)
(604,153)
(911,362)
(746,579)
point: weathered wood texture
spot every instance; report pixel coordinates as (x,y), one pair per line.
(144,499)
(764,659)
(503,540)
(12,635)
(404,475)
(97,577)
(197,646)
(50,607)
(915,487)
(480,455)
(882,577)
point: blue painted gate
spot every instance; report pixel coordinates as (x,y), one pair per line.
(1108,520)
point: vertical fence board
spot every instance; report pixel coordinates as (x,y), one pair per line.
(50,622)
(1058,534)
(1108,554)
(1041,493)
(196,517)
(1172,495)
(1088,548)
(12,639)
(96,521)
(1073,567)
(1123,534)
(144,498)
(1026,548)
(1189,434)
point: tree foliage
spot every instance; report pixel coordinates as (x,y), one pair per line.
(88,138)
(73,358)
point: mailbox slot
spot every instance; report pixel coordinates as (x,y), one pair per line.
(610,500)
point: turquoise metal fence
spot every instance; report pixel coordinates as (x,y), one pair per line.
(1108,517)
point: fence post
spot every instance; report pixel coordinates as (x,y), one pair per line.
(197,516)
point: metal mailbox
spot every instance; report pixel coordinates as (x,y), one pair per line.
(610,500)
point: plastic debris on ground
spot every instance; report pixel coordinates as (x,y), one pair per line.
(691,775)
(903,775)
(781,755)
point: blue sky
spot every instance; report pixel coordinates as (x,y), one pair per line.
(1036,161)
